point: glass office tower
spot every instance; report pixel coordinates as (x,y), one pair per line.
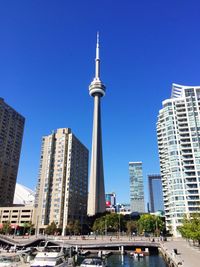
(136,187)
(155,193)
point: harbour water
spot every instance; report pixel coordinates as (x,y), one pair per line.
(127,261)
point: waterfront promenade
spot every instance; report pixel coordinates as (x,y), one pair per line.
(187,255)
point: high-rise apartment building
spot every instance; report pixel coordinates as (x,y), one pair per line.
(136,187)
(155,193)
(63,180)
(178,133)
(11,133)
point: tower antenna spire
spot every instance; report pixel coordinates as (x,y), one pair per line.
(97,60)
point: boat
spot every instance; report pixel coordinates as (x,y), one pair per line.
(11,261)
(49,259)
(93,262)
(106,253)
(138,253)
(84,252)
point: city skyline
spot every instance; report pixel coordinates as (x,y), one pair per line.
(46,56)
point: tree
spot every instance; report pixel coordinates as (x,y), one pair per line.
(150,224)
(70,227)
(76,227)
(159,225)
(131,227)
(28,227)
(6,229)
(99,225)
(190,228)
(51,229)
(31,227)
(110,222)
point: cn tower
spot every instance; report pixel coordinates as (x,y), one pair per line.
(96,198)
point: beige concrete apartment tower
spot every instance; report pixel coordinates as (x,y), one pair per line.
(11,134)
(63,180)
(96,199)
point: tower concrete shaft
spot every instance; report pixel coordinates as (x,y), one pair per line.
(96,199)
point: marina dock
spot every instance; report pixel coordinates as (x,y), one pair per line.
(177,252)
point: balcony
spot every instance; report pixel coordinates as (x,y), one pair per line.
(190,180)
(188,168)
(187,151)
(189,173)
(193,192)
(183,125)
(187,157)
(188,162)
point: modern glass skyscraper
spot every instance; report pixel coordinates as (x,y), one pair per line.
(178,132)
(62,187)
(136,187)
(11,133)
(155,193)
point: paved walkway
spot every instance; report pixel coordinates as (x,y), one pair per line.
(188,255)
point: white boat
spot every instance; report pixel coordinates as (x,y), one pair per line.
(49,259)
(106,253)
(84,252)
(11,261)
(93,262)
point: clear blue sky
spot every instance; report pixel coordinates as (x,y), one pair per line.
(47,51)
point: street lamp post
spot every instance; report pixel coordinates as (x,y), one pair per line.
(36,229)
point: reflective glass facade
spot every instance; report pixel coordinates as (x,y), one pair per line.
(136,187)
(155,193)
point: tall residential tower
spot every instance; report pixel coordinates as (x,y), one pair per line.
(63,180)
(96,199)
(11,133)
(178,132)
(136,187)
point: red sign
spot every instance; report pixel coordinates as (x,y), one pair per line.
(108,203)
